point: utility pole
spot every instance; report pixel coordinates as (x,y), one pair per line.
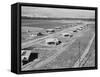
(79,53)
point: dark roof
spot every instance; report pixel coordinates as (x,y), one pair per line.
(29,48)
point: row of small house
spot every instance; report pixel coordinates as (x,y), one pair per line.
(51,41)
(45,32)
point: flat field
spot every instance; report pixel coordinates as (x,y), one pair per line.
(71,54)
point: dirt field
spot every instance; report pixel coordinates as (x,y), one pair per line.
(68,58)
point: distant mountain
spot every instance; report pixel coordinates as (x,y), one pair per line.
(51,18)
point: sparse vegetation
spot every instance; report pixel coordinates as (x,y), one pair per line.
(70,55)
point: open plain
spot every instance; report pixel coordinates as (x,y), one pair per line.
(72,43)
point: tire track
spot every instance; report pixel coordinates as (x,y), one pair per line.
(82,58)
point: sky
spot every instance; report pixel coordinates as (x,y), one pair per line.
(56,12)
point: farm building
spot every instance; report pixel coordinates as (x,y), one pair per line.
(27,56)
(52,41)
(50,30)
(67,34)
